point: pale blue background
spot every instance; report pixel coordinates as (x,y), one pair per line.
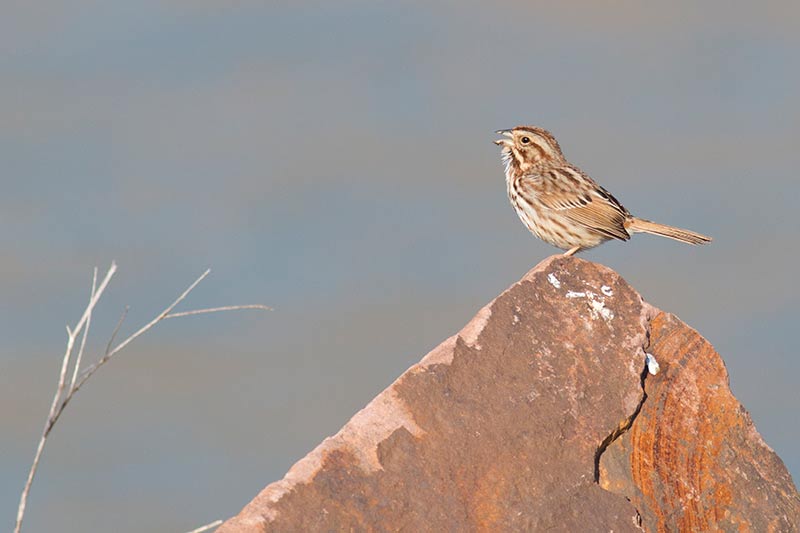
(336,163)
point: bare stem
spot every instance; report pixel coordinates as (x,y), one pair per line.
(53,416)
(116,328)
(110,353)
(63,395)
(85,333)
(210,525)
(218,310)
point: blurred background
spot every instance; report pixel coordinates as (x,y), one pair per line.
(336,163)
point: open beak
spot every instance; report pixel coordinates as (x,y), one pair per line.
(504,142)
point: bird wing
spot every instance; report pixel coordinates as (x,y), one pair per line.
(578,198)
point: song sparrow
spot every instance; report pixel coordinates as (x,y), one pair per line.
(563,206)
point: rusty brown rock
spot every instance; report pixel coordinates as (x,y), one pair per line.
(693,460)
(504,426)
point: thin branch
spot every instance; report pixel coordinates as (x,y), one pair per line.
(77,364)
(218,310)
(206,527)
(63,395)
(116,328)
(109,354)
(54,411)
(62,377)
(161,315)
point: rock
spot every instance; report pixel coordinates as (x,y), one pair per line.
(534,417)
(692,460)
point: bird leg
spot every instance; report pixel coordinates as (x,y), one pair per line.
(571,251)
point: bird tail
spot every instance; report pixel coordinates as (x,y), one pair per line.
(640,225)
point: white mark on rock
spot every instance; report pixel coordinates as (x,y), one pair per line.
(597,304)
(598,308)
(652,364)
(605,289)
(516,319)
(553,280)
(532,395)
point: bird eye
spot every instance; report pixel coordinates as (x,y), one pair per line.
(525,140)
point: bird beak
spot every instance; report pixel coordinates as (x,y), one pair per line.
(504,142)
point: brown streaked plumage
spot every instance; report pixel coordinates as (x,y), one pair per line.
(563,206)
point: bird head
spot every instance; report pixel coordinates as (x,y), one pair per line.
(526,147)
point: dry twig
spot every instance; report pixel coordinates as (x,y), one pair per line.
(206,527)
(64,394)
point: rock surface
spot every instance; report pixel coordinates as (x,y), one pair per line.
(540,415)
(692,460)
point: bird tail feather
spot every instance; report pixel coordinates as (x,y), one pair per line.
(640,225)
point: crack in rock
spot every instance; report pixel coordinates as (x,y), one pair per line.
(625,424)
(637,520)
(619,430)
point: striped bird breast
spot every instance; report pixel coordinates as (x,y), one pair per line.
(546,223)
